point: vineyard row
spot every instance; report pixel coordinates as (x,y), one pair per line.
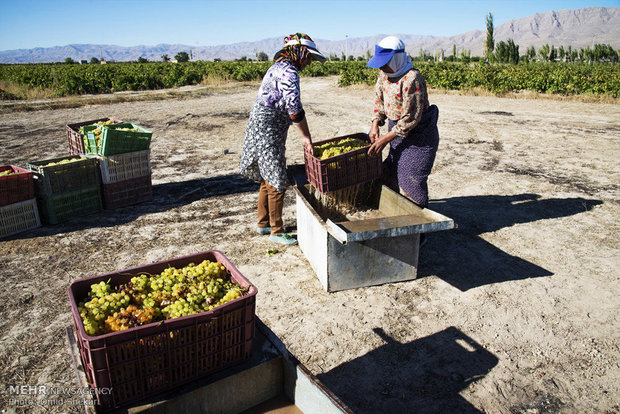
(557,78)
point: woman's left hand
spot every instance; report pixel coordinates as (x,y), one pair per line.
(380,143)
(377,146)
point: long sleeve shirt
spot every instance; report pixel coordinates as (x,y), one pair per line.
(403,101)
(280,88)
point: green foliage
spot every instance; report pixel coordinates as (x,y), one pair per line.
(507,52)
(489,43)
(357,72)
(560,78)
(182,57)
(556,77)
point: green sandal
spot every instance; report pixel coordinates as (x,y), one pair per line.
(263,230)
(285,239)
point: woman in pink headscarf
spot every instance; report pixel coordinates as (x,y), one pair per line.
(402,100)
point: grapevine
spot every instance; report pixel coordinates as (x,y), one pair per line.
(549,77)
(147,298)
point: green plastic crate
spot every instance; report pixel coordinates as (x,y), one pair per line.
(115,141)
(61,207)
(56,179)
(78,142)
(87,148)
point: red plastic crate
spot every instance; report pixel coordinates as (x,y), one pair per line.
(146,360)
(76,140)
(127,192)
(344,170)
(16,187)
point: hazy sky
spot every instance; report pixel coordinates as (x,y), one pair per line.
(26,24)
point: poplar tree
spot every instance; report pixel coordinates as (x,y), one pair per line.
(489,43)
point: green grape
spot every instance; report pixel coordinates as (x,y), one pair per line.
(173,293)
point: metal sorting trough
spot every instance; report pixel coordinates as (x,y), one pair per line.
(272,379)
(367,252)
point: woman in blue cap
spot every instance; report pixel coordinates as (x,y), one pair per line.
(402,99)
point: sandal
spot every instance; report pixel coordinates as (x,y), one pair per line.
(263,230)
(285,239)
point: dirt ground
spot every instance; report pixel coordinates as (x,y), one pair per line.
(515,311)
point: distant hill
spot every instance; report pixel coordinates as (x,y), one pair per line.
(577,28)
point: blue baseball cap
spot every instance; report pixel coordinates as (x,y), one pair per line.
(385,50)
(382,56)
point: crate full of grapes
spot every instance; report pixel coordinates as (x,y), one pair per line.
(149,329)
(57,175)
(76,133)
(341,162)
(118,139)
(16,184)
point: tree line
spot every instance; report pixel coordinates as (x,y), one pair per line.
(508,51)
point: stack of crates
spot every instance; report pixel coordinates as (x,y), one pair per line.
(66,187)
(122,154)
(18,207)
(126,178)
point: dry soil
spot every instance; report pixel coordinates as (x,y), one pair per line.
(515,311)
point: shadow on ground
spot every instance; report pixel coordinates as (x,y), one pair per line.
(465,260)
(166,196)
(422,376)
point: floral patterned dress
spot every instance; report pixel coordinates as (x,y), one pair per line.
(264,146)
(404,103)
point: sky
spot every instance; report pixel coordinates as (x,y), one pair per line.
(26,24)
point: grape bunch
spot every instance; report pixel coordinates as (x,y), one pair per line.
(96,132)
(9,172)
(333,148)
(129,317)
(100,303)
(65,161)
(146,298)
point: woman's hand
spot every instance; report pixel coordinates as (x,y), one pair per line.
(377,146)
(308,143)
(380,143)
(374,131)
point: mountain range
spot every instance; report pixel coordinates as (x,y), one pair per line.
(577,28)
